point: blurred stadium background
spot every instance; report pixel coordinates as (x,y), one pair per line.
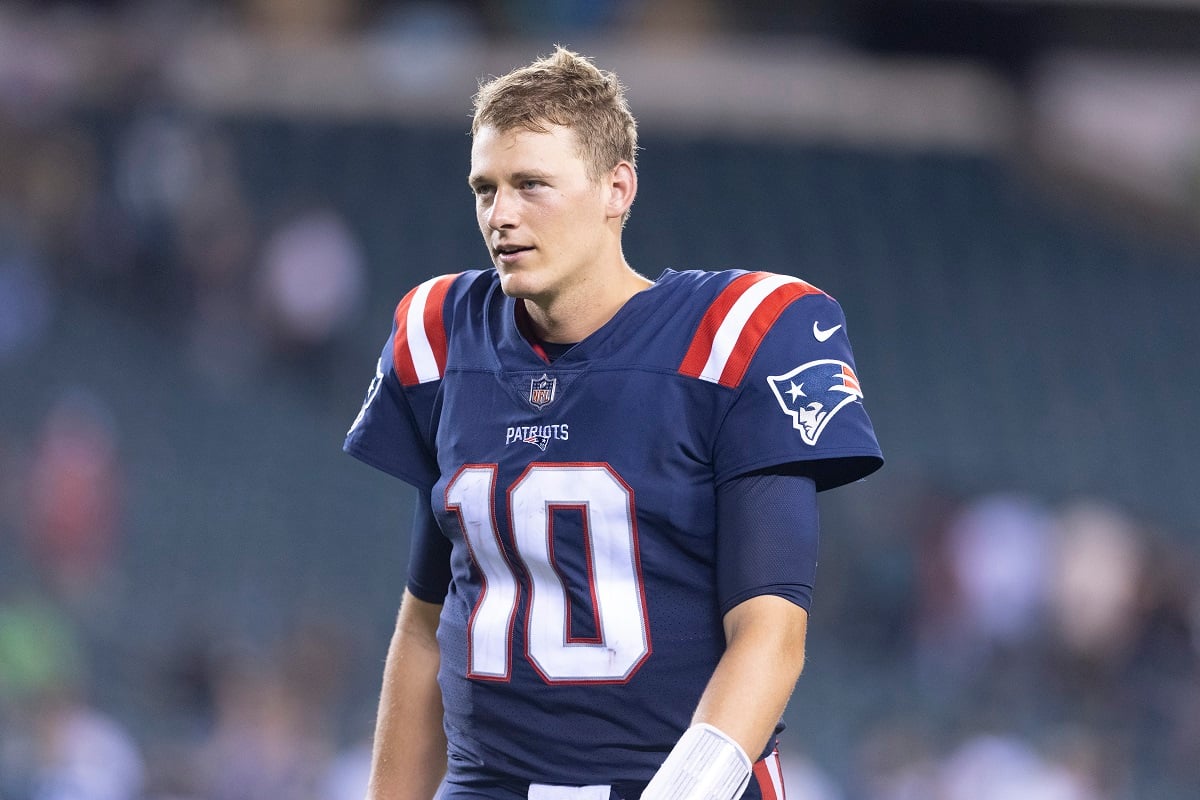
(208,211)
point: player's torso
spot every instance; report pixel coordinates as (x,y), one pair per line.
(579,497)
(581,619)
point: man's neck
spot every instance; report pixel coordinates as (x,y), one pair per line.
(579,314)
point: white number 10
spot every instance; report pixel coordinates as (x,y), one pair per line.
(610,547)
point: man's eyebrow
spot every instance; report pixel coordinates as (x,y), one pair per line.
(526,175)
(516,177)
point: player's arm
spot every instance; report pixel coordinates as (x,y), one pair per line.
(409,754)
(767,538)
(741,704)
(409,757)
(767,546)
(748,691)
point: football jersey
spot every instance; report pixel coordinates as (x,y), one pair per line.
(582,621)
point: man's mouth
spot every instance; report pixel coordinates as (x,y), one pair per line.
(506,252)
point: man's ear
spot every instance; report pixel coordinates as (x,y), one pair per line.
(622,188)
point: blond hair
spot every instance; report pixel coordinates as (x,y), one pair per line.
(564,89)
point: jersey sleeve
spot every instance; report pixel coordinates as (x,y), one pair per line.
(429,555)
(799,401)
(394,430)
(767,537)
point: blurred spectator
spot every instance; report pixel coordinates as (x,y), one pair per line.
(1096,574)
(47,186)
(39,654)
(26,301)
(312,280)
(350,771)
(51,234)
(179,184)
(990,767)
(993,605)
(261,747)
(53,745)
(894,762)
(214,222)
(999,548)
(59,192)
(804,779)
(75,500)
(175,183)
(1161,683)
(83,754)
(37,75)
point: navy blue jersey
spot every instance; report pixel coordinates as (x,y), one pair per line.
(582,618)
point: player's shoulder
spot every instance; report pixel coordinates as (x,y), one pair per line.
(781,347)
(730,295)
(736,311)
(718,281)
(426,314)
(446,291)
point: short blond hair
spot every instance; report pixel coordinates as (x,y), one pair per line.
(564,89)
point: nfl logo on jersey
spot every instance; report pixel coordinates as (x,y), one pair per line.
(541,390)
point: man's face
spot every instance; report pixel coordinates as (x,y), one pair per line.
(542,217)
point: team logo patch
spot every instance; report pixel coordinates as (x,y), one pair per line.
(541,391)
(372,390)
(813,393)
(539,436)
(537,440)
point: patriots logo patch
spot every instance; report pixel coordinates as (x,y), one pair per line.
(539,436)
(537,440)
(372,390)
(813,393)
(541,390)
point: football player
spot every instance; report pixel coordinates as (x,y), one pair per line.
(616,529)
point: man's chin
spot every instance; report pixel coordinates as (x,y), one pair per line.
(515,285)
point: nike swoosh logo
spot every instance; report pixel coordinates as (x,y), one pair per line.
(823,336)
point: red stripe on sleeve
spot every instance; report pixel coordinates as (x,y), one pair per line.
(702,342)
(755,329)
(401,355)
(435,321)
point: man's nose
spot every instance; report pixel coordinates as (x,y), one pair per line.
(503,212)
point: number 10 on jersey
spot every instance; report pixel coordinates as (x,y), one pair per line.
(610,551)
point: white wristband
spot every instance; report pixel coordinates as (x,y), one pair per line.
(705,764)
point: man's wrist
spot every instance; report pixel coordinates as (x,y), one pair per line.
(705,763)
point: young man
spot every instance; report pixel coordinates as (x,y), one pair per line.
(616,531)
